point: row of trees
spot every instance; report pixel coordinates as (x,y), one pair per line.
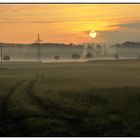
(57,57)
(88,56)
(75,56)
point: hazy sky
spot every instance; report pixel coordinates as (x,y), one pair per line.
(20,23)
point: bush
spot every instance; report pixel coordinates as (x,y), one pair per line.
(116,56)
(89,55)
(6,57)
(57,57)
(75,56)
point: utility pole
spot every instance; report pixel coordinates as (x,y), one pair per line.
(1,54)
(38,52)
(104,48)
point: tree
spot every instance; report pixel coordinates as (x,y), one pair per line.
(71,44)
(75,56)
(98,46)
(89,55)
(98,49)
(116,56)
(57,58)
(138,57)
(6,57)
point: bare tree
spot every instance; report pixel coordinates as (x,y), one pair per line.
(75,56)
(6,57)
(57,57)
(89,55)
(116,56)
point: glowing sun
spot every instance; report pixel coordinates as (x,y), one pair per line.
(92,34)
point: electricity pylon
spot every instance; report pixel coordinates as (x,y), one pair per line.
(38,42)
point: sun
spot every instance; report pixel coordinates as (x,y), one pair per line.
(92,34)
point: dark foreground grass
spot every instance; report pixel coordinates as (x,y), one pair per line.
(94,112)
(51,102)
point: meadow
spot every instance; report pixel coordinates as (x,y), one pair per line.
(97,98)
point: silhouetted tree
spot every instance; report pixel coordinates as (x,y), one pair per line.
(116,56)
(71,44)
(6,57)
(98,46)
(75,56)
(98,49)
(57,58)
(89,55)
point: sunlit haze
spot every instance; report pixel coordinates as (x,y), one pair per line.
(113,23)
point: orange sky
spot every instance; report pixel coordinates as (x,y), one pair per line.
(20,23)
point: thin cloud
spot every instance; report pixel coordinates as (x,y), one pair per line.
(135,24)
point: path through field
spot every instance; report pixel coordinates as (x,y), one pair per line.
(4,102)
(92,99)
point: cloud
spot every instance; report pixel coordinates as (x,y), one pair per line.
(23,21)
(133,25)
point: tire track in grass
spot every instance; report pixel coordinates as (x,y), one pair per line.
(7,124)
(30,91)
(51,108)
(4,102)
(38,101)
(47,106)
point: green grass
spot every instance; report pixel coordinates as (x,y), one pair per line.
(99,98)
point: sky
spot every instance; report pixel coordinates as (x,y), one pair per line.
(66,23)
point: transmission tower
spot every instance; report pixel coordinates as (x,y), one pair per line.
(38,42)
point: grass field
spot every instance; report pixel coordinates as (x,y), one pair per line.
(98,98)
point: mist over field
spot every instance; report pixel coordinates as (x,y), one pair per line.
(28,52)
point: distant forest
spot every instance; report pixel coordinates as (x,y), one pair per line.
(42,44)
(127,44)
